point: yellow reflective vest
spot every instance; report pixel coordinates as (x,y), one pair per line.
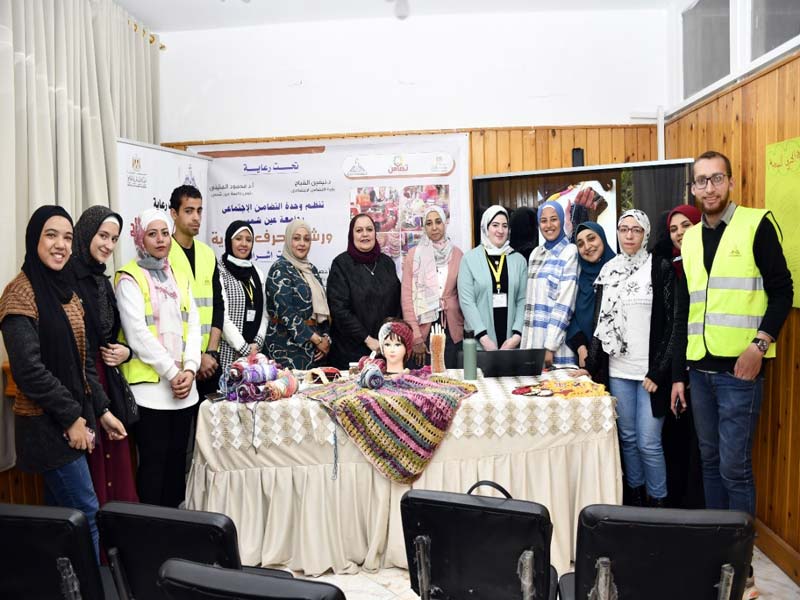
(136,371)
(202,282)
(726,306)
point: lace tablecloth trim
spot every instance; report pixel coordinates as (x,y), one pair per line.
(493,412)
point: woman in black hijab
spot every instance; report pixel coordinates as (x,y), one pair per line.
(242,282)
(96,235)
(59,399)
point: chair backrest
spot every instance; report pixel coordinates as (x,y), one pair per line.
(664,553)
(476,543)
(185,580)
(32,539)
(145,536)
(508,363)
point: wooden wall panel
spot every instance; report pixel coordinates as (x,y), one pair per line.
(741,122)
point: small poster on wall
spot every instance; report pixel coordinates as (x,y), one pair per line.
(782,191)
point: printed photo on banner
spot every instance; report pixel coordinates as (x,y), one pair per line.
(398,213)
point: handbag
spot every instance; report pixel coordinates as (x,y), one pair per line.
(122,402)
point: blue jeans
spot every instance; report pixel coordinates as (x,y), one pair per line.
(725,411)
(640,436)
(71,486)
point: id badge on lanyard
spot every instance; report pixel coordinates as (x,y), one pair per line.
(499,300)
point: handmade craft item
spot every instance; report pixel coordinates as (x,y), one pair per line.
(255,378)
(437,343)
(399,426)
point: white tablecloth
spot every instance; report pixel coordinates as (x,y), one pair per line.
(270,467)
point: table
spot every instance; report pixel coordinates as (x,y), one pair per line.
(270,467)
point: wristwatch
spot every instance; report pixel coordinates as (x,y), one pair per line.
(213,354)
(762,345)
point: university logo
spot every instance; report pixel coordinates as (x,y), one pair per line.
(136,163)
(356,169)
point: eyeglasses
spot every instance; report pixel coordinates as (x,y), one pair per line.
(702,181)
(623,230)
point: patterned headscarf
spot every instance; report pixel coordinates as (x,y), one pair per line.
(488,216)
(156,266)
(612,330)
(427,257)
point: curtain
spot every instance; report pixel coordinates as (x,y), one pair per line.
(74,76)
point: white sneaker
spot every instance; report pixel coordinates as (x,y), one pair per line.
(750,590)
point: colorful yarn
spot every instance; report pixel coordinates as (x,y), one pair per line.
(365,360)
(283,387)
(253,369)
(256,378)
(371,377)
(399,426)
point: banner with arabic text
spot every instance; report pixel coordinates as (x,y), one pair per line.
(326,182)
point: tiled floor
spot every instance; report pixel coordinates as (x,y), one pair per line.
(392,584)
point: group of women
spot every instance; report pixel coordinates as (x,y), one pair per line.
(612,314)
(69,333)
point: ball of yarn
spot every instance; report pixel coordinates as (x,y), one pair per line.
(249,392)
(371,377)
(284,386)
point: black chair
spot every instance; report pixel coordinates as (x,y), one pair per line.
(46,550)
(185,580)
(508,363)
(140,537)
(660,554)
(464,546)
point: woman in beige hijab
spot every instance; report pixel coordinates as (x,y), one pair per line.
(297,332)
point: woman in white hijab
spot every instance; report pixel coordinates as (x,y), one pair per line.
(491,285)
(160,323)
(626,287)
(429,291)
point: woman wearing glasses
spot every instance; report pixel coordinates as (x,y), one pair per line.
(633,338)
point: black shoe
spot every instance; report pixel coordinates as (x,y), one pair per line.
(637,496)
(658,503)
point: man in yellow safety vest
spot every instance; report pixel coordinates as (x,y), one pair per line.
(197,262)
(730,307)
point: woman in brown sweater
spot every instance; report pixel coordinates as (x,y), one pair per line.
(59,399)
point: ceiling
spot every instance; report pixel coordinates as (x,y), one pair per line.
(183,15)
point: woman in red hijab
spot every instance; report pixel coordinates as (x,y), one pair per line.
(678,438)
(679,220)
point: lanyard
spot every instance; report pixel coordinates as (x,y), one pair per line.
(498,271)
(248,288)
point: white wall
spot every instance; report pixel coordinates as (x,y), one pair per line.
(546,68)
